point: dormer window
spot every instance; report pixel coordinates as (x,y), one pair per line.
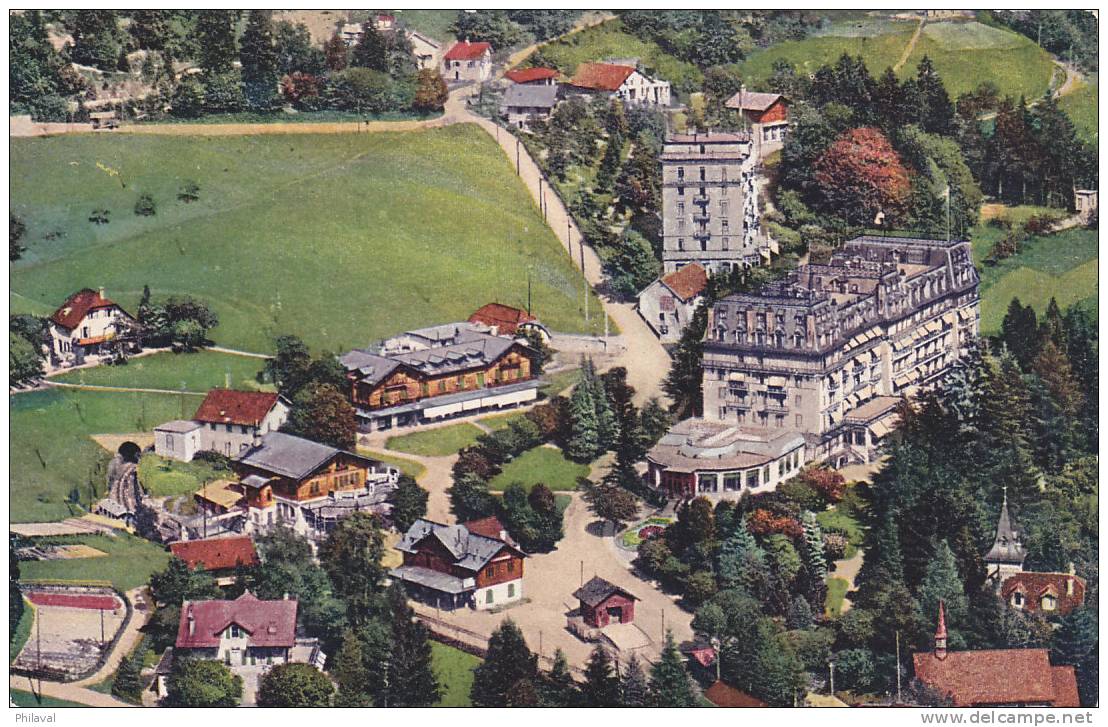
(1049,602)
(1017,600)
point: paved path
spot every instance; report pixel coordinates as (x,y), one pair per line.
(78,691)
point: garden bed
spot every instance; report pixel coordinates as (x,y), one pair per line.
(644,530)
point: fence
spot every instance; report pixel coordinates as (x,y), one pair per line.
(577,343)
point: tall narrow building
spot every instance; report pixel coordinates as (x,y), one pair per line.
(710,203)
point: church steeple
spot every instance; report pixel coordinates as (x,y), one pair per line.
(1007,554)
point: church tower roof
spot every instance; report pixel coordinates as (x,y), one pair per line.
(1007,547)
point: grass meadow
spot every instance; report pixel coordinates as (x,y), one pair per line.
(547,465)
(196,372)
(129,562)
(454,669)
(439,442)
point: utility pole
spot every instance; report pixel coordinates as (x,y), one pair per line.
(898,700)
(832,665)
(582,573)
(528,290)
(101,628)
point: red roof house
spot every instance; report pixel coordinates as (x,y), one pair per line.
(259,624)
(227,406)
(601,76)
(532,75)
(995,677)
(688,282)
(1049,594)
(216,553)
(74,310)
(760,108)
(507,319)
(603,602)
(466,51)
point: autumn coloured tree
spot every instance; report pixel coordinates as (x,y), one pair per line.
(431,92)
(861,175)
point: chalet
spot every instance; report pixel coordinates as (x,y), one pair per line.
(218,556)
(436,373)
(619,81)
(504,320)
(602,603)
(767,115)
(85,325)
(995,677)
(474,564)
(668,304)
(524,103)
(1046,594)
(231,419)
(533,76)
(306,485)
(468,62)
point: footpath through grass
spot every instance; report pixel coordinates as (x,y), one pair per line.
(440,442)
(342,239)
(195,372)
(547,465)
(129,563)
(454,669)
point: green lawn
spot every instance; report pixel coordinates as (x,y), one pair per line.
(129,562)
(197,372)
(609,40)
(454,668)
(879,51)
(439,442)
(1062,265)
(21,698)
(21,632)
(342,239)
(161,476)
(541,464)
(50,450)
(835,520)
(836,592)
(556,384)
(500,421)
(1083,107)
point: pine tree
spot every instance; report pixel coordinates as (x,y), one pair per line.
(559,688)
(335,53)
(685,376)
(634,689)
(601,687)
(370,52)
(941,582)
(584,439)
(607,426)
(813,546)
(669,682)
(937,112)
(1053,368)
(128,684)
(215,35)
(259,60)
(743,564)
(507,662)
(1076,643)
(1019,333)
(411,674)
(1053,326)
(349,672)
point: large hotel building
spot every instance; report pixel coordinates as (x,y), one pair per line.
(811,368)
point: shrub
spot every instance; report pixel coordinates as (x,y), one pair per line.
(1040,224)
(763,523)
(100,216)
(190,192)
(145,206)
(834,545)
(803,494)
(700,587)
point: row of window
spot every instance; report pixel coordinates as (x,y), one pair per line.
(734,481)
(511,593)
(494,569)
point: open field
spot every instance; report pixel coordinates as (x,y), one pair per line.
(1082,105)
(21,698)
(542,464)
(454,669)
(51,452)
(435,23)
(439,442)
(164,477)
(609,40)
(129,562)
(1062,265)
(964,53)
(197,372)
(341,239)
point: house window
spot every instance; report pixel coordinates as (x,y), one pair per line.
(235,631)
(680,208)
(680,243)
(490,571)
(511,590)
(442,385)
(702,175)
(680,172)
(511,566)
(243,428)
(1017,599)
(488,596)
(424,389)
(229,427)
(169,441)
(459,383)
(480,379)
(680,191)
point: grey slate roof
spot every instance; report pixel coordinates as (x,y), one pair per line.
(178,426)
(469,550)
(545,97)
(430,579)
(472,350)
(289,456)
(753,100)
(598,589)
(1006,547)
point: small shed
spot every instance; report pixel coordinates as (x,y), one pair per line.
(178,439)
(603,603)
(103,119)
(1086,203)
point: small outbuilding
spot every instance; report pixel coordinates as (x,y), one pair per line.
(178,439)
(603,603)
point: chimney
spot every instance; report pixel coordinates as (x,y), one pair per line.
(101,291)
(192,622)
(285,596)
(504,536)
(940,633)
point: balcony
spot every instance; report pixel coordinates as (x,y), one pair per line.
(702,218)
(701,199)
(702,235)
(774,407)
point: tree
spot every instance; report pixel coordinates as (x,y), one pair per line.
(97,38)
(258,54)
(349,672)
(669,682)
(431,92)
(634,688)
(202,683)
(335,53)
(411,675)
(813,546)
(1019,333)
(351,556)
(40,78)
(601,687)
(559,688)
(295,51)
(178,583)
(16,230)
(294,685)
(936,111)
(1076,643)
(128,684)
(584,439)
(150,29)
(492,26)
(860,175)
(507,662)
(215,34)
(683,382)
(612,503)
(470,498)
(24,360)
(370,52)
(15,596)
(409,503)
(323,414)
(288,369)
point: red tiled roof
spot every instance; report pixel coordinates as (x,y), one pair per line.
(687,282)
(1036,585)
(78,305)
(68,600)
(725,695)
(489,526)
(704,655)
(506,318)
(1065,686)
(466,51)
(992,676)
(601,76)
(526,75)
(227,406)
(268,623)
(216,553)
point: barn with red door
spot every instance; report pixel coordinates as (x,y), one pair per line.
(604,603)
